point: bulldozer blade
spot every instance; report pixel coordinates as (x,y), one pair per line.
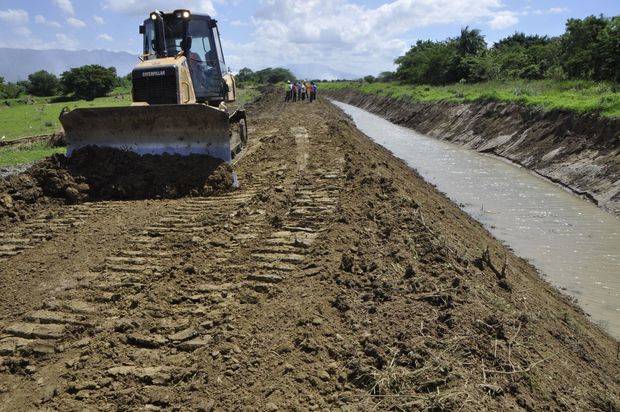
(174,129)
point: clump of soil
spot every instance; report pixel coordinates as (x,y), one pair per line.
(109,174)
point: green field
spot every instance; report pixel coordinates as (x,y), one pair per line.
(579,96)
(33,116)
(11,156)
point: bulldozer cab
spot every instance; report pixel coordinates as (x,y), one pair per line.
(197,36)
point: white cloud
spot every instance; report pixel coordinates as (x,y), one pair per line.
(98,20)
(25,39)
(238,23)
(22,31)
(142,8)
(65,42)
(65,6)
(552,10)
(350,37)
(39,19)
(503,19)
(105,37)
(14,16)
(72,21)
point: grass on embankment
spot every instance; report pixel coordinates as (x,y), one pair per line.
(10,156)
(578,96)
(33,116)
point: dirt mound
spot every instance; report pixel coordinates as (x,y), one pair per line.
(18,196)
(110,174)
(116,174)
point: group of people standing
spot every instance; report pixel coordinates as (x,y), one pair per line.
(300,91)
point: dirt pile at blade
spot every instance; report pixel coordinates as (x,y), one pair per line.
(116,174)
(110,174)
(48,181)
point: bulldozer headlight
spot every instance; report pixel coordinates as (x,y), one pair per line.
(182,14)
(153,16)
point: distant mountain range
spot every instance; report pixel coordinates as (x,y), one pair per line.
(311,71)
(17,64)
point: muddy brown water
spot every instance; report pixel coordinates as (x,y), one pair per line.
(574,244)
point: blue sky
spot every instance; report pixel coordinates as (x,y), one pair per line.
(354,36)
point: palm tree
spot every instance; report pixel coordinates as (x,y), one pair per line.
(470,42)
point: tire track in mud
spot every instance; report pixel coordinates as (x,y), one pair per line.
(45,227)
(102,299)
(129,300)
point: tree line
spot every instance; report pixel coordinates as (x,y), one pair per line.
(589,49)
(85,82)
(265,76)
(91,81)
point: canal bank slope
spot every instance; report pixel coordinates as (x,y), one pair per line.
(579,152)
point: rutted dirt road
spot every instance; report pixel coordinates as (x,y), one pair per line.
(334,277)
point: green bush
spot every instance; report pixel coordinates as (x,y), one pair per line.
(591,48)
(42,83)
(269,75)
(369,79)
(88,82)
(10,90)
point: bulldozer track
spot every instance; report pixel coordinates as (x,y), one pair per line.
(44,227)
(117,299)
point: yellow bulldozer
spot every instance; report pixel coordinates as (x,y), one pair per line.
(180,89)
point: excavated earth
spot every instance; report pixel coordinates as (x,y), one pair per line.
(579,152)
(334,278)
(104,173)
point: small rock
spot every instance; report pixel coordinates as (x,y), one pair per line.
(266,278)
(195,343)
(72,195)
(81,343)
(183,335)
(50,393)
(324,375)
(42,348)
(146,341)
(6,201)
(123,325)
(158,375)
(271,407)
